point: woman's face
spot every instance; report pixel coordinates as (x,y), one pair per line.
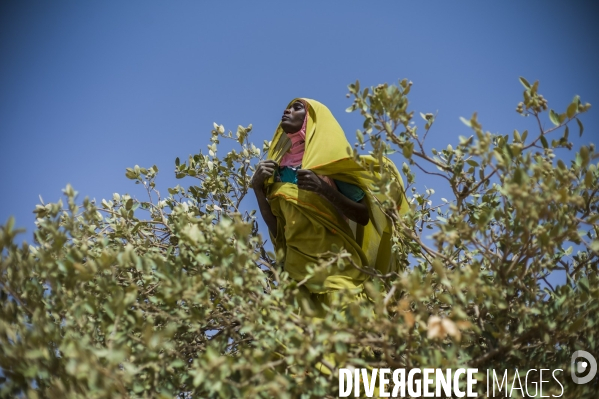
(293,117)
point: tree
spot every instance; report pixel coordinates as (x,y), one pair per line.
(178,295)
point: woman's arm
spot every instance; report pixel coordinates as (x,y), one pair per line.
(264,170)
(356,211)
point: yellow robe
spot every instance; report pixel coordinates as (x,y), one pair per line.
(307,224)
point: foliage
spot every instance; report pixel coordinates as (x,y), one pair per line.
(179,296)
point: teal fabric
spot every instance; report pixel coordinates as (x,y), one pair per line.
(351,191)
(286,174)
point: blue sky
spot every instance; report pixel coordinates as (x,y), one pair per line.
(90,88)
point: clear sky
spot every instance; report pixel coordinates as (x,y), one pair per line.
(90,88)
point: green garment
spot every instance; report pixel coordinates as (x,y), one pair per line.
(308,225)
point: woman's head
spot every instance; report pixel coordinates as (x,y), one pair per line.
(293,117)
(324,139)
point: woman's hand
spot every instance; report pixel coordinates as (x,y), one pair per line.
(264,170)
(307,180)
(356,211)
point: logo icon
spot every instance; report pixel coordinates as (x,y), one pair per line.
(583,365)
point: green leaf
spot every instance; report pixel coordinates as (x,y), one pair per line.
(554,117)
(130,174)
(524,83)
(561,165)
(571,111)
(562,117)
(518,176)
(517,137)
(588,179)
(465,121)
(407,150)
(544,142)
(136,228)
(580,127)
(10,224)
(360,136)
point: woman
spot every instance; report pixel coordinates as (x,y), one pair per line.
(313,195)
